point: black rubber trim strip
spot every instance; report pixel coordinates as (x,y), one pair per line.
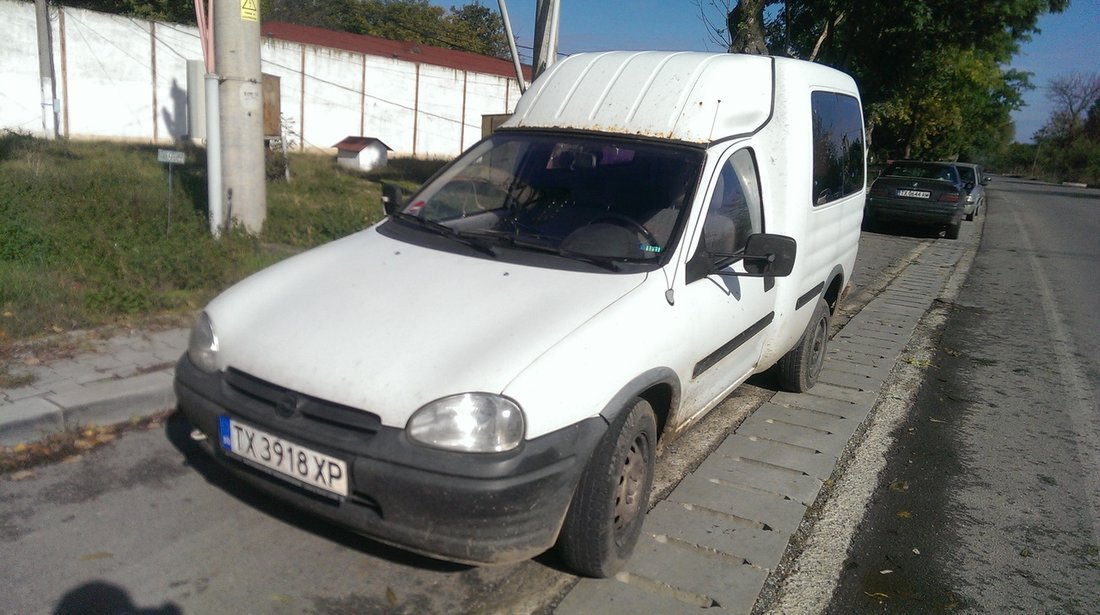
(716,356)
(810,296)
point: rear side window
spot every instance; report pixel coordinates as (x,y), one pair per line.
(838,146)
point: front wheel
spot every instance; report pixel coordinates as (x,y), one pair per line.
(606,514)
(798,369)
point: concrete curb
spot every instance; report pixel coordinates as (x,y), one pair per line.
(123,378)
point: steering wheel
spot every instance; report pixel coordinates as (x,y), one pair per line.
(630,223)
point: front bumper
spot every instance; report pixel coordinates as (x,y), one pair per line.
(471,508)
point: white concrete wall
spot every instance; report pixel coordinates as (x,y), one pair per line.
(126,79)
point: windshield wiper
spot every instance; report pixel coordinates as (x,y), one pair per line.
(445,231)
(518,241)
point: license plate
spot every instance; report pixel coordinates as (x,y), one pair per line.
(284,459)
(915,194)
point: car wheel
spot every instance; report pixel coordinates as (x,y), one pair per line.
(798,369)
(606,514)
(951,231)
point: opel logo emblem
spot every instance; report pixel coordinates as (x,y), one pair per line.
(287,405)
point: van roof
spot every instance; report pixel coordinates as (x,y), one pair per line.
(692,97)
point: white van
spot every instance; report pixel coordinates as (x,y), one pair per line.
(488,372)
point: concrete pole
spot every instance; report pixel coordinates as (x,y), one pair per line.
(237,53)
(45,71)
(546,35)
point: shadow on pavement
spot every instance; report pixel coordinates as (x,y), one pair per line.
(178,432)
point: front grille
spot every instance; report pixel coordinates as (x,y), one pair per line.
(276,402)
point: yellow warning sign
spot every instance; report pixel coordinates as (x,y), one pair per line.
(250,10)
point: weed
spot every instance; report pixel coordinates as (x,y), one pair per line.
(85,239)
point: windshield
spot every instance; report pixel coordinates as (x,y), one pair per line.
(922,171)
(574,196)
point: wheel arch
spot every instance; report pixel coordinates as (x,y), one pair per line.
(834,288)
(659,386)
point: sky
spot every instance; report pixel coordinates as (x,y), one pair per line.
(1069,41)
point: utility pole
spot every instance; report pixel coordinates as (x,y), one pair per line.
(546,35)
(237,53)
(45,70)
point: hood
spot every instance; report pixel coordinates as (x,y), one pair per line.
(387,326)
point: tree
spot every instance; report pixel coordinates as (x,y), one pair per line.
(171,11)
(1074,95)
(479,29)
(931,74)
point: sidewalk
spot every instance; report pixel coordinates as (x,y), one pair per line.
(712,543)
(118,379)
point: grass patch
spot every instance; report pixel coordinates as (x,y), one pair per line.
(85,237)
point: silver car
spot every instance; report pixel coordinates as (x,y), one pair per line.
(973,175)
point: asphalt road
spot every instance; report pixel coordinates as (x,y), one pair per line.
(990,498)
(148,523)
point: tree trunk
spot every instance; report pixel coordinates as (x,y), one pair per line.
(746,27)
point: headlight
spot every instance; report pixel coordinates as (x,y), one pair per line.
(470,422)
(202,348)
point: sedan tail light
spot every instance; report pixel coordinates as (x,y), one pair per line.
(950,197)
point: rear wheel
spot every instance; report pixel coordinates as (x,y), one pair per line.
(798,369)
(606,514)
(951,231)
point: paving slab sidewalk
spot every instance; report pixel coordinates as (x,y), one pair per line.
(113,381)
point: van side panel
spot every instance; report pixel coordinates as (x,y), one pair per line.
(827,234)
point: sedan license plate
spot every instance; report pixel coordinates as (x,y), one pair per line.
(283,458)
(915,194)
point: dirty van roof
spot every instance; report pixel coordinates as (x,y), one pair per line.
(691,97)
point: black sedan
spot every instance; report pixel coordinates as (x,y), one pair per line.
(927,193)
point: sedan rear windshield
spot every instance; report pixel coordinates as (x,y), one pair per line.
(923,171)
(567,195)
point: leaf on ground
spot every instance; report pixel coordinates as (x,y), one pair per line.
(904,514)
(22,475)
(390,596)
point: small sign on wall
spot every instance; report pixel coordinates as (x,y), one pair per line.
(250,10)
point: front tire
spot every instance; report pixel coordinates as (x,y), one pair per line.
(606,514)
(798,369)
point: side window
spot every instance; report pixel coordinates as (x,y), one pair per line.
(734,210)
(838,146)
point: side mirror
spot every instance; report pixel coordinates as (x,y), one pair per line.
(969,186)
(986,180)
(393,198)
(769,256)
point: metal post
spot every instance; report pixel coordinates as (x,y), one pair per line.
(50,106)
(214,156)
(512,45)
